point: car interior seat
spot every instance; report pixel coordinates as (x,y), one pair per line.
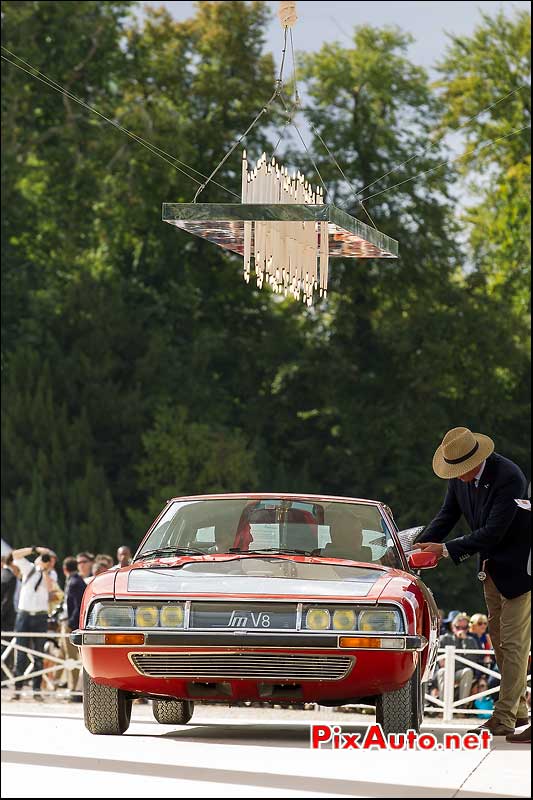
(346,534)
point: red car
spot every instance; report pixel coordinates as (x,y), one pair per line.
(280,598)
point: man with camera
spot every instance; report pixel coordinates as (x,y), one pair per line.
(32,615)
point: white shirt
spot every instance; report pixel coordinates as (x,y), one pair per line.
(479,473)
(31,599)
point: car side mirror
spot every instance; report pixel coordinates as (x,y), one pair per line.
(422,560)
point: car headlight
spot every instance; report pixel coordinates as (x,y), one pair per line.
(171,616)
(383,620)
(344,619)
(117,615)
(147,616)
(111,616)
(317,619)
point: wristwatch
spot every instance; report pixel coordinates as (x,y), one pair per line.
(445,551)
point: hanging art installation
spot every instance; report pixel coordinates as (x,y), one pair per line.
(282,226)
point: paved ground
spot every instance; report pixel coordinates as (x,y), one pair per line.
(236,752)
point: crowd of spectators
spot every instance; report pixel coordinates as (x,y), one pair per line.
(36,600)
(467,633)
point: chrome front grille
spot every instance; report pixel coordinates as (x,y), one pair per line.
(268,666)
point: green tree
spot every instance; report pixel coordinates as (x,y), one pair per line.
(54,492)
(182,457)
(491,69)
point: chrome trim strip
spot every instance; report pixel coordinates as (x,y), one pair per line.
(327,641)
(299,614)
(219,598)
(187,619)
(413,609)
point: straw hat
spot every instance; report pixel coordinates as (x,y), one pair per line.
(461,451)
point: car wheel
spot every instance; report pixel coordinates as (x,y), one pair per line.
(402,710)
(173,712)
(106,710)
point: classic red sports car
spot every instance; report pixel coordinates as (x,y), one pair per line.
(280,598)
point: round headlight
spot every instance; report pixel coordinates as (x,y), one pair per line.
(317,619)
(113,617)
(380,621)
(172,616)
(146,616)
(344,619)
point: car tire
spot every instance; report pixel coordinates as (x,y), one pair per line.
(402,710)
(172,712)
(106,710)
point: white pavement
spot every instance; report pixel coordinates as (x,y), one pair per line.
(236,752)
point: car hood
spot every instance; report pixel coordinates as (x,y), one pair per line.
(254,577)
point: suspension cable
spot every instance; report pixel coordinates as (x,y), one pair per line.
(157,151)
(434,144)
(264,110)
(449,161)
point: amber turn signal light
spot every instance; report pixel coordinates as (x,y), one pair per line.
(124,638)
(359,641)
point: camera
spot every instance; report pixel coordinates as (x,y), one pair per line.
(45,558)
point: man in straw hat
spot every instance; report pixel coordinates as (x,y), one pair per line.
(483,486)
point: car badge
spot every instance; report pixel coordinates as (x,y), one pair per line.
(482,576)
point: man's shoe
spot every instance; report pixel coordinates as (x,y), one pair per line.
(16,696)
(495,727)
(521,721)
(37,696)
(75,698)
(524,737)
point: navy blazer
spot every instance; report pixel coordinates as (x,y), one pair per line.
(501,531)
(74,590)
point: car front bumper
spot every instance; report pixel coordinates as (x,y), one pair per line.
(250,666)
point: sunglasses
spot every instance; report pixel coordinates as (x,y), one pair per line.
(83,561)
(461,627)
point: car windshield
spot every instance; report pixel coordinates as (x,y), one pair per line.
(328,529)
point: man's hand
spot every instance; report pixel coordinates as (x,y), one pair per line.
(430,547)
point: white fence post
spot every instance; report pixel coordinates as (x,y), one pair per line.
(449,683)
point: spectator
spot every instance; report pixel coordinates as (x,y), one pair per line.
(462,640)
(99,566)
(123,557)
(478,628)
(484,704)
(447,622)
(9,587)
(105,558)
(70,619)
(84,562)
(53,563)
(32,615)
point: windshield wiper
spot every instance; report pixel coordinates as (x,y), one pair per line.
(271,550)
(178,551)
